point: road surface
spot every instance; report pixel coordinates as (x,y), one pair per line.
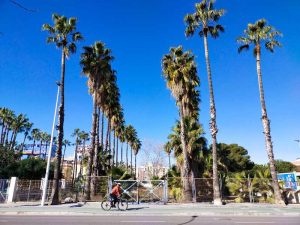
(146,220)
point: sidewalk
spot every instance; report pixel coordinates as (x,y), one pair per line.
(196,209)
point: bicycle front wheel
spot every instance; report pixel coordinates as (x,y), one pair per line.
(106,205)
(123,204)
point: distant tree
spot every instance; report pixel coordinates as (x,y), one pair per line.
(235,158)
(284,166)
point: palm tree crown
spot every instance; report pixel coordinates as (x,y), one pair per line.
(204,19)
(63,33)
(257,33)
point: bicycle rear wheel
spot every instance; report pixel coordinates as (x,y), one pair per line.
(123,204)
(106,205)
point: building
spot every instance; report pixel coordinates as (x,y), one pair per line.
(149,171)
(297,164)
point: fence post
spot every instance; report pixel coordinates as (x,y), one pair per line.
(138,193)
(11,192)
(28,193)
(194,190)
(166,191)
(109,185)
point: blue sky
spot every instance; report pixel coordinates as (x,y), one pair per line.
(139,32)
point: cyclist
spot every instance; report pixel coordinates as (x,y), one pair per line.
(115,194)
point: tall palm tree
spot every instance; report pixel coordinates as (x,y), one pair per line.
(205,19)
(256,34)
(180,73)
(95,62)
(64,35)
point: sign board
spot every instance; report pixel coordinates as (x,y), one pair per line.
(289,180)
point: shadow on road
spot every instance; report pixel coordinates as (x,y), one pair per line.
(137,208)
(77,205)
(191,220)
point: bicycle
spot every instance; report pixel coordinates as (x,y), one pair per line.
(122,204)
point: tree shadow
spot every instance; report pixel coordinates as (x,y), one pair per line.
(191,220)
(137,208)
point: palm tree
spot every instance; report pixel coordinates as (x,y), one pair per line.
(76,134)
(65,144)
(36,136)
(95,62)
(18,125)
(136,148)
(205,19)
(83,138)
(64,35)
(180,73)
(256,34)
(7,117)
(129,135)
(168,150)
(28,127)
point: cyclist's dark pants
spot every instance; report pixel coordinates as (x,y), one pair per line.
(114,199)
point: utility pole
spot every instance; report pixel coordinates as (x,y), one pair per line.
(45,186)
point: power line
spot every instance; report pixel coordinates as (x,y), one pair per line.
(22,7)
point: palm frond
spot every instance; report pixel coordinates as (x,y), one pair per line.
(243,47)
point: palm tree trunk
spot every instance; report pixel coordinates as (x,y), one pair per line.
(32,151)
(7,135)
(131,171)
(114,147)
(213,128)
(107,135)
(46,150)
(127,155)
(135,167)
(41,148)
(169,156)
(74,163)
(55,188)
(267,130)
(63,157)
(2,133)
(23,143)
(101,142)
(186,175)
(91,152)
(96,156)
(98,147)
(122,152)
(117,152)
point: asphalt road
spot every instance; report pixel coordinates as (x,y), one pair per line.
(146,220)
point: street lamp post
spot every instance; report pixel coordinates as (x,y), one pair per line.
(49,151)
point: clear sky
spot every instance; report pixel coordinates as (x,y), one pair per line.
(139,32)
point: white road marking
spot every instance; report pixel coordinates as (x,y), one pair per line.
(258,222)
(142,221)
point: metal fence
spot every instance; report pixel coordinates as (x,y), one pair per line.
(4,184)
(232,190)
